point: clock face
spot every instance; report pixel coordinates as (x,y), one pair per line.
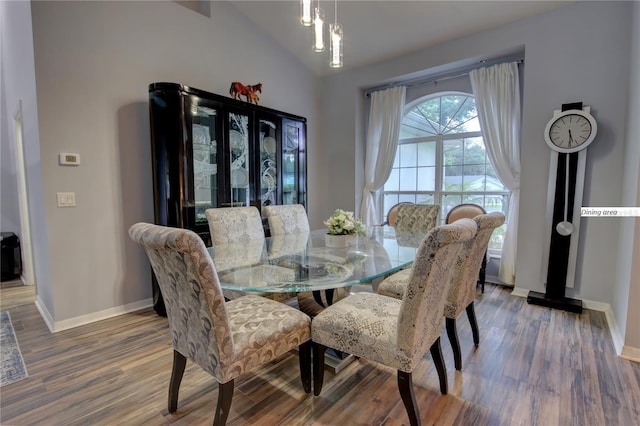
(570,131)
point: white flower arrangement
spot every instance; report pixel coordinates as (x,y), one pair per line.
(343,223)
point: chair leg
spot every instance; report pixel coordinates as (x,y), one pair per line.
(177,371)
(318,367)
(471,314)
(225,394)
(452,332)
(438,361)
(304,353)
(405,386)
(483,273)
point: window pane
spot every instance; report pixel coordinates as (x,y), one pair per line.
(497,203)
(452,150)
(426,179)
(387,201)
(416,124)
(452,178)
(474,199)
(393,183)
(426,154)
(473,179)
(407,198)
(408,155)
(497,238)
(424,199)
(408,179)
(474,152)
(396,161)
(448,202)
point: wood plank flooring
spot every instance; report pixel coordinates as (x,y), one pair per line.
(534,366)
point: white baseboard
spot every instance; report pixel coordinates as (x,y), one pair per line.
(44,313)
(56,326)
(626,352)
(631,354)
(520,292)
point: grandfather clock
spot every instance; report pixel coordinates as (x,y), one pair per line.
(568,134)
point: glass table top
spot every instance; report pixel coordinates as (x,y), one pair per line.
(303,262)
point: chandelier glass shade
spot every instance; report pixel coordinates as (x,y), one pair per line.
(314,17)
(335,46)
(318,30)
(305,13)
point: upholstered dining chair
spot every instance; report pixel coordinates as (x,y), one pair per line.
(226,339)
(393,332)
(462,289)
(234,224)
(287,219)
(392,213)
(470,211)
(416,217)
(231,225)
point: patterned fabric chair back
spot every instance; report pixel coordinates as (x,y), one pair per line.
(287,219)
(189,283)
(393,213)
(417,217)
(234,224)
(465,272)
(420,320)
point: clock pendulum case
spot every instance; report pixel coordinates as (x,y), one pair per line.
(568,134)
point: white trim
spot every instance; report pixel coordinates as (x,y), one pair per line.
(520,292)
(44,313)
(101,315)
(28,274)
(631,354)
(55,327)
(614,330)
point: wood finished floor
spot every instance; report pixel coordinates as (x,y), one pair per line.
(534,366)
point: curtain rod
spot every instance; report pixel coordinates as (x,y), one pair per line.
(460,72)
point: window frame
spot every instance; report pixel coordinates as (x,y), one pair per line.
(439,139)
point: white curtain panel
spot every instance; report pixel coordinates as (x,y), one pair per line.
(497,93)
(385,117)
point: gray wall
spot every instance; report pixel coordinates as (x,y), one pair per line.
(94,62)
(19,87)
(576,53)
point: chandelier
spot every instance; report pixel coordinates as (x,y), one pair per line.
(314,17)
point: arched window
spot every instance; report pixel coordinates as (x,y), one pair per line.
(441,159)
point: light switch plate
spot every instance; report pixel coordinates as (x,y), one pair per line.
(66,199)
(69,159)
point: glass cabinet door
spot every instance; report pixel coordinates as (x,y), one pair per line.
(268,133)
(205,160)
(292,162)
(239,159)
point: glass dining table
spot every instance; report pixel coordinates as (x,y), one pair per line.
(304,263)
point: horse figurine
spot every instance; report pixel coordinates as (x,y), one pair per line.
(238,89)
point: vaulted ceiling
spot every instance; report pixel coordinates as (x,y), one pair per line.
(381,30)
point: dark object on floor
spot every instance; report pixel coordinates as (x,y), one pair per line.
(11,258)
